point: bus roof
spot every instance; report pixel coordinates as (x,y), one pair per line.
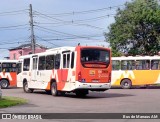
(49,52)
(61,48)
(136,58)
(58,50)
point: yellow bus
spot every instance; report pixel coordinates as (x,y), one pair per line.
(135,71)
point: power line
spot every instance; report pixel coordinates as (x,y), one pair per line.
(65,39)
(48,31)
(73,35)
(47,41)
(7,43)
(74,21)
(13,26)
(11,40)
(53,18)
(12,12)
(8,29)
(57,31)
(87,11)
(95,18)
(88,35)
(75,24)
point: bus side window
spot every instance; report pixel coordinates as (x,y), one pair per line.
(72,60)
(147,64)
(19,65)
(50,62)
(128,65)
(34,63)
(26,64)
(124,65)
(57,61)
(143,64)
(42,63)
(9,67)
(115,65)
(64,61)
(155,64)
(0,67)
(131,65)
(68,60)
(13,67)
(138,65)
(4,67)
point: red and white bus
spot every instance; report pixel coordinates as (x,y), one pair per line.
(67,69)
(8,73)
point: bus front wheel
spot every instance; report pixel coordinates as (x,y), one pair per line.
(26,89)
(126,84)
(4,83)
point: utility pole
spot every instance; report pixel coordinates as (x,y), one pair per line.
(33,43)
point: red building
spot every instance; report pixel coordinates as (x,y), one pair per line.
(24,49)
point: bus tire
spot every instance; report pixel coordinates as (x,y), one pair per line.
(126,84)
(4,83)
(54,90)
(26,89)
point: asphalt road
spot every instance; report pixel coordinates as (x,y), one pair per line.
(111,101)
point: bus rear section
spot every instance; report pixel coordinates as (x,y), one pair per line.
(8,73)
(93,69)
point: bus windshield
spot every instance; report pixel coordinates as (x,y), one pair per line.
(95,56)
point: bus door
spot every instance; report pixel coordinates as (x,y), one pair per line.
(34,69)
(45,67)
(65,66)
(19,74)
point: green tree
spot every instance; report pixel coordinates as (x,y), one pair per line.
(136,30)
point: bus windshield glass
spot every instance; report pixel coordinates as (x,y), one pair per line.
(95,56)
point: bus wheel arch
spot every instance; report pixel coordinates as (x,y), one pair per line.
(53,88)
(25,87)
(4,83)
(126,83)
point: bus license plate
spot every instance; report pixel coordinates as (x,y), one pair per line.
(95,81)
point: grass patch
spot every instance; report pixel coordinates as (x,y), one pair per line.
(6,101)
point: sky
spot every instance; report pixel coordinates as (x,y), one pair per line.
(56,22)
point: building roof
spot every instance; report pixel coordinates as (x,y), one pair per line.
(27,46)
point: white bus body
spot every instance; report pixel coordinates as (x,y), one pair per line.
(61,70)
